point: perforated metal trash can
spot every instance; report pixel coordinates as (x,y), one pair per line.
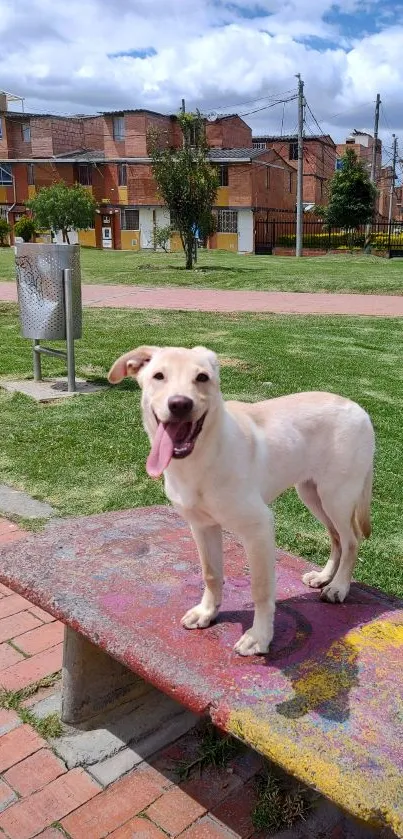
(41,291)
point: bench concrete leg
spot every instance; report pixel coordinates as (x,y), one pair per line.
(92,681)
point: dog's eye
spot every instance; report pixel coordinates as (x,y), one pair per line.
(158,376)
(202,377)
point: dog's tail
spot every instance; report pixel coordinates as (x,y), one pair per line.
(363,508)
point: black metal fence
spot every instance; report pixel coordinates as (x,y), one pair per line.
(380,236)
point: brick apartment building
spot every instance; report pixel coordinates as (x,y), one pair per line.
(319,161)
(107,154)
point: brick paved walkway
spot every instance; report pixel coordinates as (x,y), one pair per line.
(39,796)
(205,300)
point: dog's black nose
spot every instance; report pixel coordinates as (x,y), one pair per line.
(180,406)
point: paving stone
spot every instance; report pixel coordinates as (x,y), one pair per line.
(112,768)
(131,723)
(17,503)
(8,721)
(7,796)
(116,805)
(50,389)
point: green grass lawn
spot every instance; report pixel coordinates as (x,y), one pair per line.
(87,454)
(219,269)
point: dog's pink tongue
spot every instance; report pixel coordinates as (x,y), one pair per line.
(161,452)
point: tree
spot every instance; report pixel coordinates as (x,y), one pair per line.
(62,207)
(25,227)
(187,182)
(5,229)
(351,194)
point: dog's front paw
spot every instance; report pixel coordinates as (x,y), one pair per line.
(335,592)
(252,644)
(315,579)
(199,617)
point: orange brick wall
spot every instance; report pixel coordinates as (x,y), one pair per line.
(273,190)
(16,145)
(4,140)
(229,133)
(142,188)
(240,185)
(93,133)
(67,135)
(41,137)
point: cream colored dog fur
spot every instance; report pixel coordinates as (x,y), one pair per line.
(224,462)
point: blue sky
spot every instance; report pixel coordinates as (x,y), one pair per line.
(91,55)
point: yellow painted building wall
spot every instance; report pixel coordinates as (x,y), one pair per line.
(122,192)
(31,191)
(222,198)
(227,241)
(3,195)
(130,240)
(175,243)
(87,238)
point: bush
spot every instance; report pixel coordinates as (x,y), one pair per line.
(5,229)
(161,237)
(25,227)
(343,239)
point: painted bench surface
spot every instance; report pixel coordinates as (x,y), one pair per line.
(326,703)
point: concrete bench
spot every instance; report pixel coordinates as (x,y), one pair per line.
(327,702)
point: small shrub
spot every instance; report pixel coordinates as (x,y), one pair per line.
(25,227)
(161,237)
(5,229)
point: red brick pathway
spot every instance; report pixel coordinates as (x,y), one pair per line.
(39,796)
(205,300)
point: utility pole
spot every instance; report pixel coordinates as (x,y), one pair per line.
(375,146)
(392,185)
(300,169)
(373,167)
(183,106)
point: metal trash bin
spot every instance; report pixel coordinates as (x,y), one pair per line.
(40,288)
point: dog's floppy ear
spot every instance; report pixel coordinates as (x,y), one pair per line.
(130,364)
(211,356)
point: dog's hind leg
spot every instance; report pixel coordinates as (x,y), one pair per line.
(308,494)
(209,546)
(341,507)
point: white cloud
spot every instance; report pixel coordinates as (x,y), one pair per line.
(215,53)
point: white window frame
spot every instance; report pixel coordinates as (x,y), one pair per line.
(227,221)
(26,132)
(118,127)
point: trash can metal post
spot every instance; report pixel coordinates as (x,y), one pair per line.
(68,301)
(37,361)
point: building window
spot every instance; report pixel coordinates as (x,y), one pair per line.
(122,174)
(222,172)
(129,220)
(30,174)
(227,221)
(1,128)
(258,145)
(26,132)
(293,151)
(85,174)
(118,126)
(6,178)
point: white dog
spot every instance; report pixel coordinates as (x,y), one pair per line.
(224,462)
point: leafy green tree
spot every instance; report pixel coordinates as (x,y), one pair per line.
(187,182)
(4,231)
(25,227)
(62,207)
(351,194)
